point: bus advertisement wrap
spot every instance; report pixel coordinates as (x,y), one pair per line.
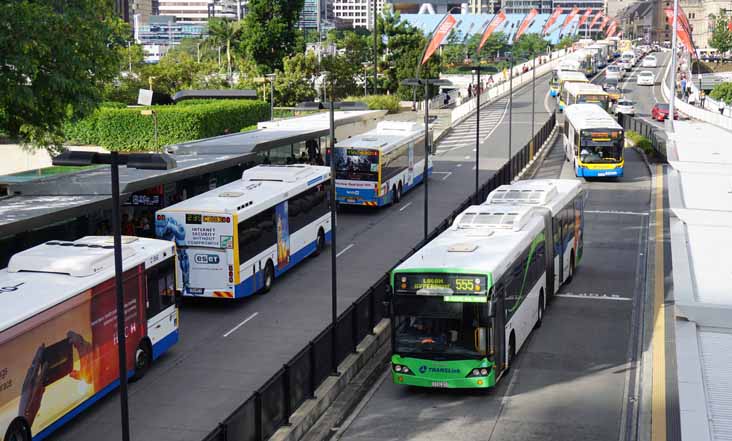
(56,360)
(283,236)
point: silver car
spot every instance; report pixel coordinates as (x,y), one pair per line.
(625,106)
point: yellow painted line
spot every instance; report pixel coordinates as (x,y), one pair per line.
(658,410)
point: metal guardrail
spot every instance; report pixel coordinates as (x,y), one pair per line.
(656,135)
(271,406)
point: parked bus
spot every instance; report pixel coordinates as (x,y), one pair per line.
(566,78)
(566,65)
(593,141)
(58,327)
(377,167)
(565,200)
(464,304)
(234,240)
(577,93)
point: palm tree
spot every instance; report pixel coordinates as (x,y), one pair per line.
(222,32)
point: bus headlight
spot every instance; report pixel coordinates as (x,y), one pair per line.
(402,369)
(479,372)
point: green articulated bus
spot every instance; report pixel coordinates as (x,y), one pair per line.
(464,304)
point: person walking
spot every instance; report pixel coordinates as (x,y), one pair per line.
(720,107)
(683,89)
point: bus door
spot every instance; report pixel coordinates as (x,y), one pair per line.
(558,249)
(498,331)
(549,255)
(410,156)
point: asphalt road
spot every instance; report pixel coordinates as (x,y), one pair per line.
(229,349)
(573,378)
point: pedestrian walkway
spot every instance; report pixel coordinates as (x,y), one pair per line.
(464,133)
(439,125)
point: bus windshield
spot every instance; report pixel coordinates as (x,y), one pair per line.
(429,327)
(356,164)
(601,146)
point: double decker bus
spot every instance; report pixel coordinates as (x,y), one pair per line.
(571,65)
(234,240)
(593,141)
(377,167)
(565,201)
(577,93)
(567,77)
(464,304)
(58,327)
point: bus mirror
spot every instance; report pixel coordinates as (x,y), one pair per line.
(492,308)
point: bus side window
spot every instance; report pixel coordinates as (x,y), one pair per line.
(160,287)
(256,234)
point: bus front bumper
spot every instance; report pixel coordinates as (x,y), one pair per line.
(442,374)
(586,172)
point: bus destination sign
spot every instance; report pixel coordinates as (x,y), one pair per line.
(440,284)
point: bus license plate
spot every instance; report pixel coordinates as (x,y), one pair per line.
(439,384)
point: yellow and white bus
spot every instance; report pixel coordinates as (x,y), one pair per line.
(569,65)
(593,141)
(566,77)
(578,93)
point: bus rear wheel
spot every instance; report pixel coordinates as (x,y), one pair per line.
(571,267)
(319,243)
(540,314)
(18,431)
(268,277)
(511,351)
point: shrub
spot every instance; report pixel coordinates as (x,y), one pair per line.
(379,102)
(128,130)
(722,91)
(640,142)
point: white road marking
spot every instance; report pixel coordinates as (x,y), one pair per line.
(241,324)
(458,165)
(594,296)
(447,175)
(344,250)
(629,213)
(405,206)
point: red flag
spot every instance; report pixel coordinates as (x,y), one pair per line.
(525,24)
(552,18)
(605,19)
(598,16)
(683,34)
(729,25)
(584,17)
(492,26)
(440,33)
(612,28)
(570,17)
(684,20)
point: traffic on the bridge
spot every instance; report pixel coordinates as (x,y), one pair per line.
(249,220)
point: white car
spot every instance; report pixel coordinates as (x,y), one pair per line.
(649,61)
(646,78)
(625,106)
(614,71)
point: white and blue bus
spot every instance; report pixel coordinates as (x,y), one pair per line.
(235,240)
(377,167)
(58,327)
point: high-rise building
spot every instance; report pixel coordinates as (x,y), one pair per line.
(358,12)
(199,11)
(157,34)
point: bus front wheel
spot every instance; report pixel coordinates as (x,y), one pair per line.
(319,242)
(540,314)
(18,431)
(511,351)
(143,360)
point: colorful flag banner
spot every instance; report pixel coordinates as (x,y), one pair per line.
(492,26)
(552,18)
(570,17)
(598,16)
(525,24)
(441,32)
(584,17)
(605,20)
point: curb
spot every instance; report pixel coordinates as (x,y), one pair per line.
(306,417)
(535,164)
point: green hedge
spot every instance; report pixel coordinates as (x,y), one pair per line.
(128,130)
(641,142)
(379,102)
(722,91)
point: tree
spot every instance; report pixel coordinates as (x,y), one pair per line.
(566,41)
(222,33)
(296,82)
(721,36)
(269,32)
(344,73)
(530,44)
(722,91)
(54,59)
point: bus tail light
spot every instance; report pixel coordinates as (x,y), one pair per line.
(231,274)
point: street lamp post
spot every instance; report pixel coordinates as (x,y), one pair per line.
(332,106)
(376,49)
(510,115)
(271,77)
(145,161)
(426,82)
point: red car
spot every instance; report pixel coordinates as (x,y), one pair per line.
(660,112)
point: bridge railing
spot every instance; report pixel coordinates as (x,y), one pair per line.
(655,134)
(271,406)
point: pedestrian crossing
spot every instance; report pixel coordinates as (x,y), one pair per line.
(464,134)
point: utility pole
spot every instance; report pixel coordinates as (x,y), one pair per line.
(376,47)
